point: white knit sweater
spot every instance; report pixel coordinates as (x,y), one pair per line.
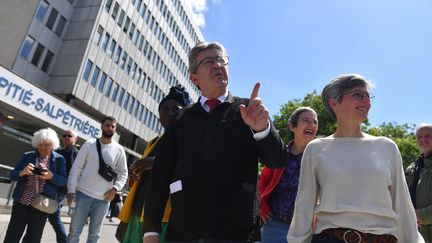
(359,183)
(84,176)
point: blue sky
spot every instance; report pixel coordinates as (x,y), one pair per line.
(296,46)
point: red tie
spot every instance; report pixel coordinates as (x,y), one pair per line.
(212,103)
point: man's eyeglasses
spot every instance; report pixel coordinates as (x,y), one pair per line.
(67,136)
(222,60)
(358,95)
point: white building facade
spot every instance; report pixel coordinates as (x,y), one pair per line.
(91,58)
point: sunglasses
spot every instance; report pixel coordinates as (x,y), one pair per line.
(67,136)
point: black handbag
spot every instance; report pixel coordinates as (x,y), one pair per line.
(104,170)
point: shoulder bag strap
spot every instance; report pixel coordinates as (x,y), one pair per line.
(36,177)
(101,160)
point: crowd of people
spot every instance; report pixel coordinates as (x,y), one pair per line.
(199,181)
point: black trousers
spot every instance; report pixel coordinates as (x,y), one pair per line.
(23,216)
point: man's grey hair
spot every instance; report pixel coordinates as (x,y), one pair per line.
(45,134)
(339,86)
(200,47)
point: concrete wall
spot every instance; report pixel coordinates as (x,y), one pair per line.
(15,18)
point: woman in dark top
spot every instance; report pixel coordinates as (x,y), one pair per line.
(140,171)
(278,187)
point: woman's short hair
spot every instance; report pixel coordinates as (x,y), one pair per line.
(47,134)
(339,86)
(423,125)
(295,116)
(200,47)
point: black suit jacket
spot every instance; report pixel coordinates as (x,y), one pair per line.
(215,159)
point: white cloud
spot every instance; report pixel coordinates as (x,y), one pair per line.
(198,7)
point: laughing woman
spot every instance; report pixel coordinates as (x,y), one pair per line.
(352,181)
(278,187)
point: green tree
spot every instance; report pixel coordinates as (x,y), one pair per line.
(403,135)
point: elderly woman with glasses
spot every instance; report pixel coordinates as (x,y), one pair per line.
(38,172)
(351,181)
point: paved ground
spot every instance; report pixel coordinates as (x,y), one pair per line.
(107,235)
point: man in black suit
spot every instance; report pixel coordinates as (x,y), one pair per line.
(208,160)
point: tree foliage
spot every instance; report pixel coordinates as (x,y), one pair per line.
(402,135)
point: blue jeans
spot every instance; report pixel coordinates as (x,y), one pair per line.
(57,223)
(87,207)
(275,231)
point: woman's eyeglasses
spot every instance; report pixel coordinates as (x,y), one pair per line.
(359,95)
(67,136)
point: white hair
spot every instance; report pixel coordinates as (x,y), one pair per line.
(47,134)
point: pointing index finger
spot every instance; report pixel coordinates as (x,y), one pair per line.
(255,91)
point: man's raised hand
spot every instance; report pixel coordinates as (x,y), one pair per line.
(255,115)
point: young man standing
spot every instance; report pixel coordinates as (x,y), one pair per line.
(91,191)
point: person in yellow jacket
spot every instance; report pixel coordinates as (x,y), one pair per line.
(132,212)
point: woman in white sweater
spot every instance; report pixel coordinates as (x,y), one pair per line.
(351,181)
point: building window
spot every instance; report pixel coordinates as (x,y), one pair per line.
(27,47)
(41,11)
(114,93)
(141,42)
(151,125)
(126,101)
(131,32)
(108,5)
(139,75)
(123,60)
(121,18)
(140,112)
(137,106)
(115,11)
(98,35)
(37,55)
(52,18)
(138,5)
(126,25)
(134,68)
(117,55)
(129,65)
(112,48)
(131,106)
(60,26)
(120,98)
(105,41)
(144,116)
(87,70)
(95,77)
(47,62)
(108,87)
(102,82)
